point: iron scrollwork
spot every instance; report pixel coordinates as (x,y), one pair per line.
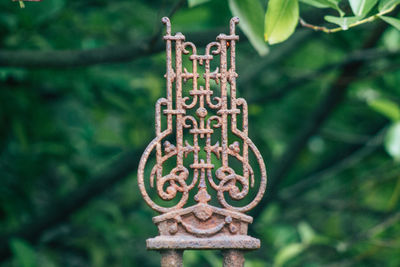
(202,116)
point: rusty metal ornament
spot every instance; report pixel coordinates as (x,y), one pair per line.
(188,131)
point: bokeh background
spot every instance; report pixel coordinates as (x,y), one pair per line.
(78,84)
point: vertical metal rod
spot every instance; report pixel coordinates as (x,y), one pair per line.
(171,258)
(233,258)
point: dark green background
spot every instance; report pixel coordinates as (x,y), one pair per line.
(72,131)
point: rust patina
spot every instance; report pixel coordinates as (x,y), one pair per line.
(203,132)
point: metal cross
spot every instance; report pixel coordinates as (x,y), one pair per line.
(204,135)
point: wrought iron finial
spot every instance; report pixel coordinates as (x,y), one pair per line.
(202,132)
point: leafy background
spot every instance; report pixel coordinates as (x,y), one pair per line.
(79,80)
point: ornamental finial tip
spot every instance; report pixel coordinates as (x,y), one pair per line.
(233,22)
(167,23)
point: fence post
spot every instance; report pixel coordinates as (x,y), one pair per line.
(188,122)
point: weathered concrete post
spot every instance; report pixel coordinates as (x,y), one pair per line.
(215,171)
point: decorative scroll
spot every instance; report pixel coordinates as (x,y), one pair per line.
(200,117)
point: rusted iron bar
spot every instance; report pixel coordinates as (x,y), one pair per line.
(171,258)
(233,258)
(193,119)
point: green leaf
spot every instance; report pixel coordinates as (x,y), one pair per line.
(251,16)
(307,234)
(392,21)
(361,8)
(280,20)
(21,4)
(386,107)
(325,4)
(392,141)
(23,253)
(288,252)
(387,4)
(193,3)
(343,22)
(319,3)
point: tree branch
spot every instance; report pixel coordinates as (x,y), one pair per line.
(343,28)
(387,221)
(80,58)
(370,146)
(109,54)
(366,56)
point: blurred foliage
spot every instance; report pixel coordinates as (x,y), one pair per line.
(282,16)
(61,127)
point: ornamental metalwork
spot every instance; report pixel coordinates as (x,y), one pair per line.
(202,132)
